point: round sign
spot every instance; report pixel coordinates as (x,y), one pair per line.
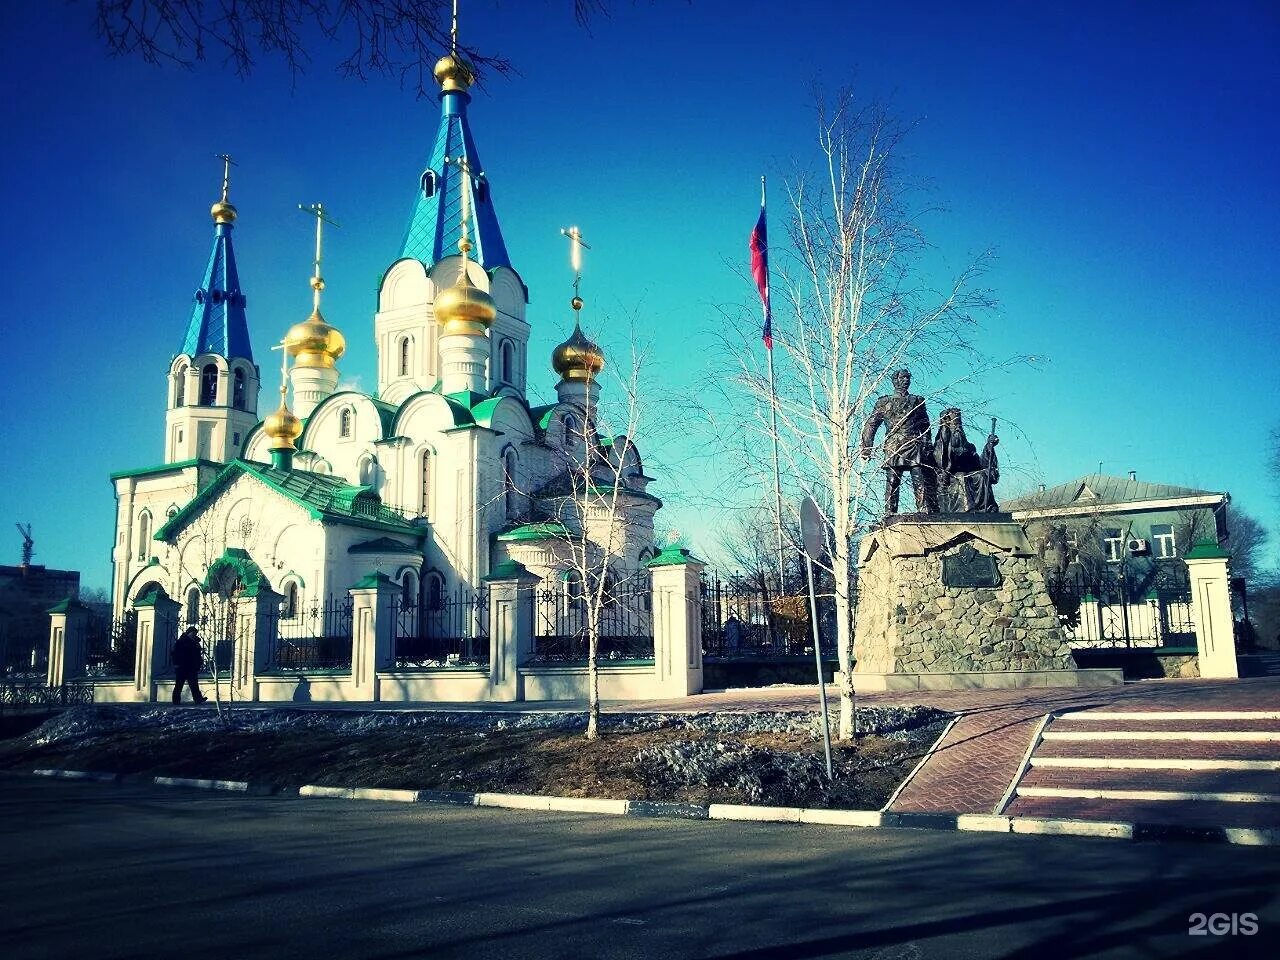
(812,529)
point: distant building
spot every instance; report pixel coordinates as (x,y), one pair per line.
(26,593)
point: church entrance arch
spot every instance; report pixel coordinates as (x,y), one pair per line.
(232,576)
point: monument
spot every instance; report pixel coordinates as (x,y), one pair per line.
(954,599)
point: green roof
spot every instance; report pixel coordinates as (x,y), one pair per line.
(1096,490)
(324,497)
(671,556)
(371,581)
(382,545)
(1206,550)
(164,468)
(547,530)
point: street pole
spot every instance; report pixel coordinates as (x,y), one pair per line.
(811,532)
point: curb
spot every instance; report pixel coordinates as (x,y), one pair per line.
(966,822)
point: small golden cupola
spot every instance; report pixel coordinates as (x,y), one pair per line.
(464,308)
(314,342)
(284,429)
(454,73)
(578,358)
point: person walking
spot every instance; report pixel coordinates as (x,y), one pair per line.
(188,657)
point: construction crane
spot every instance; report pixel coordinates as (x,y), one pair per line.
(28,548)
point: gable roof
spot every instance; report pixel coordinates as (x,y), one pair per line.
(326,498)
(1098,490)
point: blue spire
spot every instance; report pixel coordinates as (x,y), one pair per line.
(218,323)
(435,224)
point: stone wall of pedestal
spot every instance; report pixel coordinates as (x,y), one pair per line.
(910,623)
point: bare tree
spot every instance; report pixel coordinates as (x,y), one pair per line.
(398,37)
(856,309)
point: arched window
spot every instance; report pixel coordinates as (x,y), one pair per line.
(435,591)
(193,606)
(425,488)
(180,386)
(480,188)
(409,589)
(144,536)
(510,495)
(238,389)
(209,385)
(507,363)
(345,422)
(428,183)
(289,609)
(570,429)
(367,472)
(404,356)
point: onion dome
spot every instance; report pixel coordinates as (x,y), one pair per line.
(223,212)
(282,427)
(454,73)
(577,358)
(314,343)
(464,308)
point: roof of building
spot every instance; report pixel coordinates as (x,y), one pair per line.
(1099,490)
(218,323)
(435,223)
(325,497)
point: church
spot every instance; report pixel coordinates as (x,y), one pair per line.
(435,480)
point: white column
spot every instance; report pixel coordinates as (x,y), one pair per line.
(510,627)
(157,630)
(311,385)
(677,624)
(1211,603)
(464,361)
(68,642)
(372,632)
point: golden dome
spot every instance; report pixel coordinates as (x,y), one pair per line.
(453,73)
(283,428)
(577,358)
(223,212)
(313,343)
(464,307)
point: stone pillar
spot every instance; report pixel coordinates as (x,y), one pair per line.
(372,632)
(257,613)
(68,641)
(1211,603)
(157,630)
(677,623)
(511,588)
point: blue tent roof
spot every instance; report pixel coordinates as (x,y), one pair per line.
(218,323)
(437,208)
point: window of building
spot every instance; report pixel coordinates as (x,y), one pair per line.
(435,591)
(289,609)
(429,183)
(507,362)
(238,390)
(1112,544)
(404,356)
(425,489)
(1164,543)
(570,429)
(510,495)
(345,422)
(409,589)
(480,189)
(180,386)
(209,385)
(144,536)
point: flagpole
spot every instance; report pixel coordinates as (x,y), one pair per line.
(773,431)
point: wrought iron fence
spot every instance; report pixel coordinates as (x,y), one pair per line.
(1130,608)
(743,621)
(560,624)
(24,650)
(451,631)
(111,646)
(317,637)
(37,694)
(217,626)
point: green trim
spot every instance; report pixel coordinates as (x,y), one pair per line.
(246,570)
(66,606)
(509,570)
(383,545)
(164,468)
(548,530)
(372,581)
(154,596)
(1207,550)
(673,556)
(461,415)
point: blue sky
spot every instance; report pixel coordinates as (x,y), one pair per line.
(1119,158)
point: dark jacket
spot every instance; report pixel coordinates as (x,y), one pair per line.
(187,654)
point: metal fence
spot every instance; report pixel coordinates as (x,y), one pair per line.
(1140,608)
(561,620)
(37,695)
(451,631)
(743,621)
(317,637)
(218,627)
(111,646)
(24,649)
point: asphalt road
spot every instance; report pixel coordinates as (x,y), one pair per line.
(103,871)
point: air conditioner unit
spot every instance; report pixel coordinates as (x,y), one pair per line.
(1139,547)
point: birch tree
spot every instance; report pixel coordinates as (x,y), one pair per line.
(851,306)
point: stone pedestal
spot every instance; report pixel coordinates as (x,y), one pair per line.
(958,601)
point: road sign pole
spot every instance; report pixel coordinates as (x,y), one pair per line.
(813,535)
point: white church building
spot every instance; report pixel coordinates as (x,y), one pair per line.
(442,476)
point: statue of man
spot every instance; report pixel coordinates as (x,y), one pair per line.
(965,476)
(908,445)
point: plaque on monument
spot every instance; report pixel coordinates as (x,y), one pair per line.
(969,568)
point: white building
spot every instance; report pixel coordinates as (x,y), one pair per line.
(434,480)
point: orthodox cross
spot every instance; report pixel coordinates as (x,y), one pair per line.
(317,282)
(576,246)
(453,31)
(284,370)
(227,164)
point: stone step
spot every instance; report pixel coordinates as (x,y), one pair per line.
(1205,813)
(1152,763)
(1166,716)
(1086,723)
(1057,733)
(1160,749)
(1243,782)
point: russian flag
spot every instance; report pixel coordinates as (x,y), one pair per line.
(760,267)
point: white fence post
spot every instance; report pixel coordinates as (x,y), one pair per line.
(372,632)
(677,622)
(1211,600)
(511,595)
(68,641)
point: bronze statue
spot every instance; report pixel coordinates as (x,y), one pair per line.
(908,445)
(965,476)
